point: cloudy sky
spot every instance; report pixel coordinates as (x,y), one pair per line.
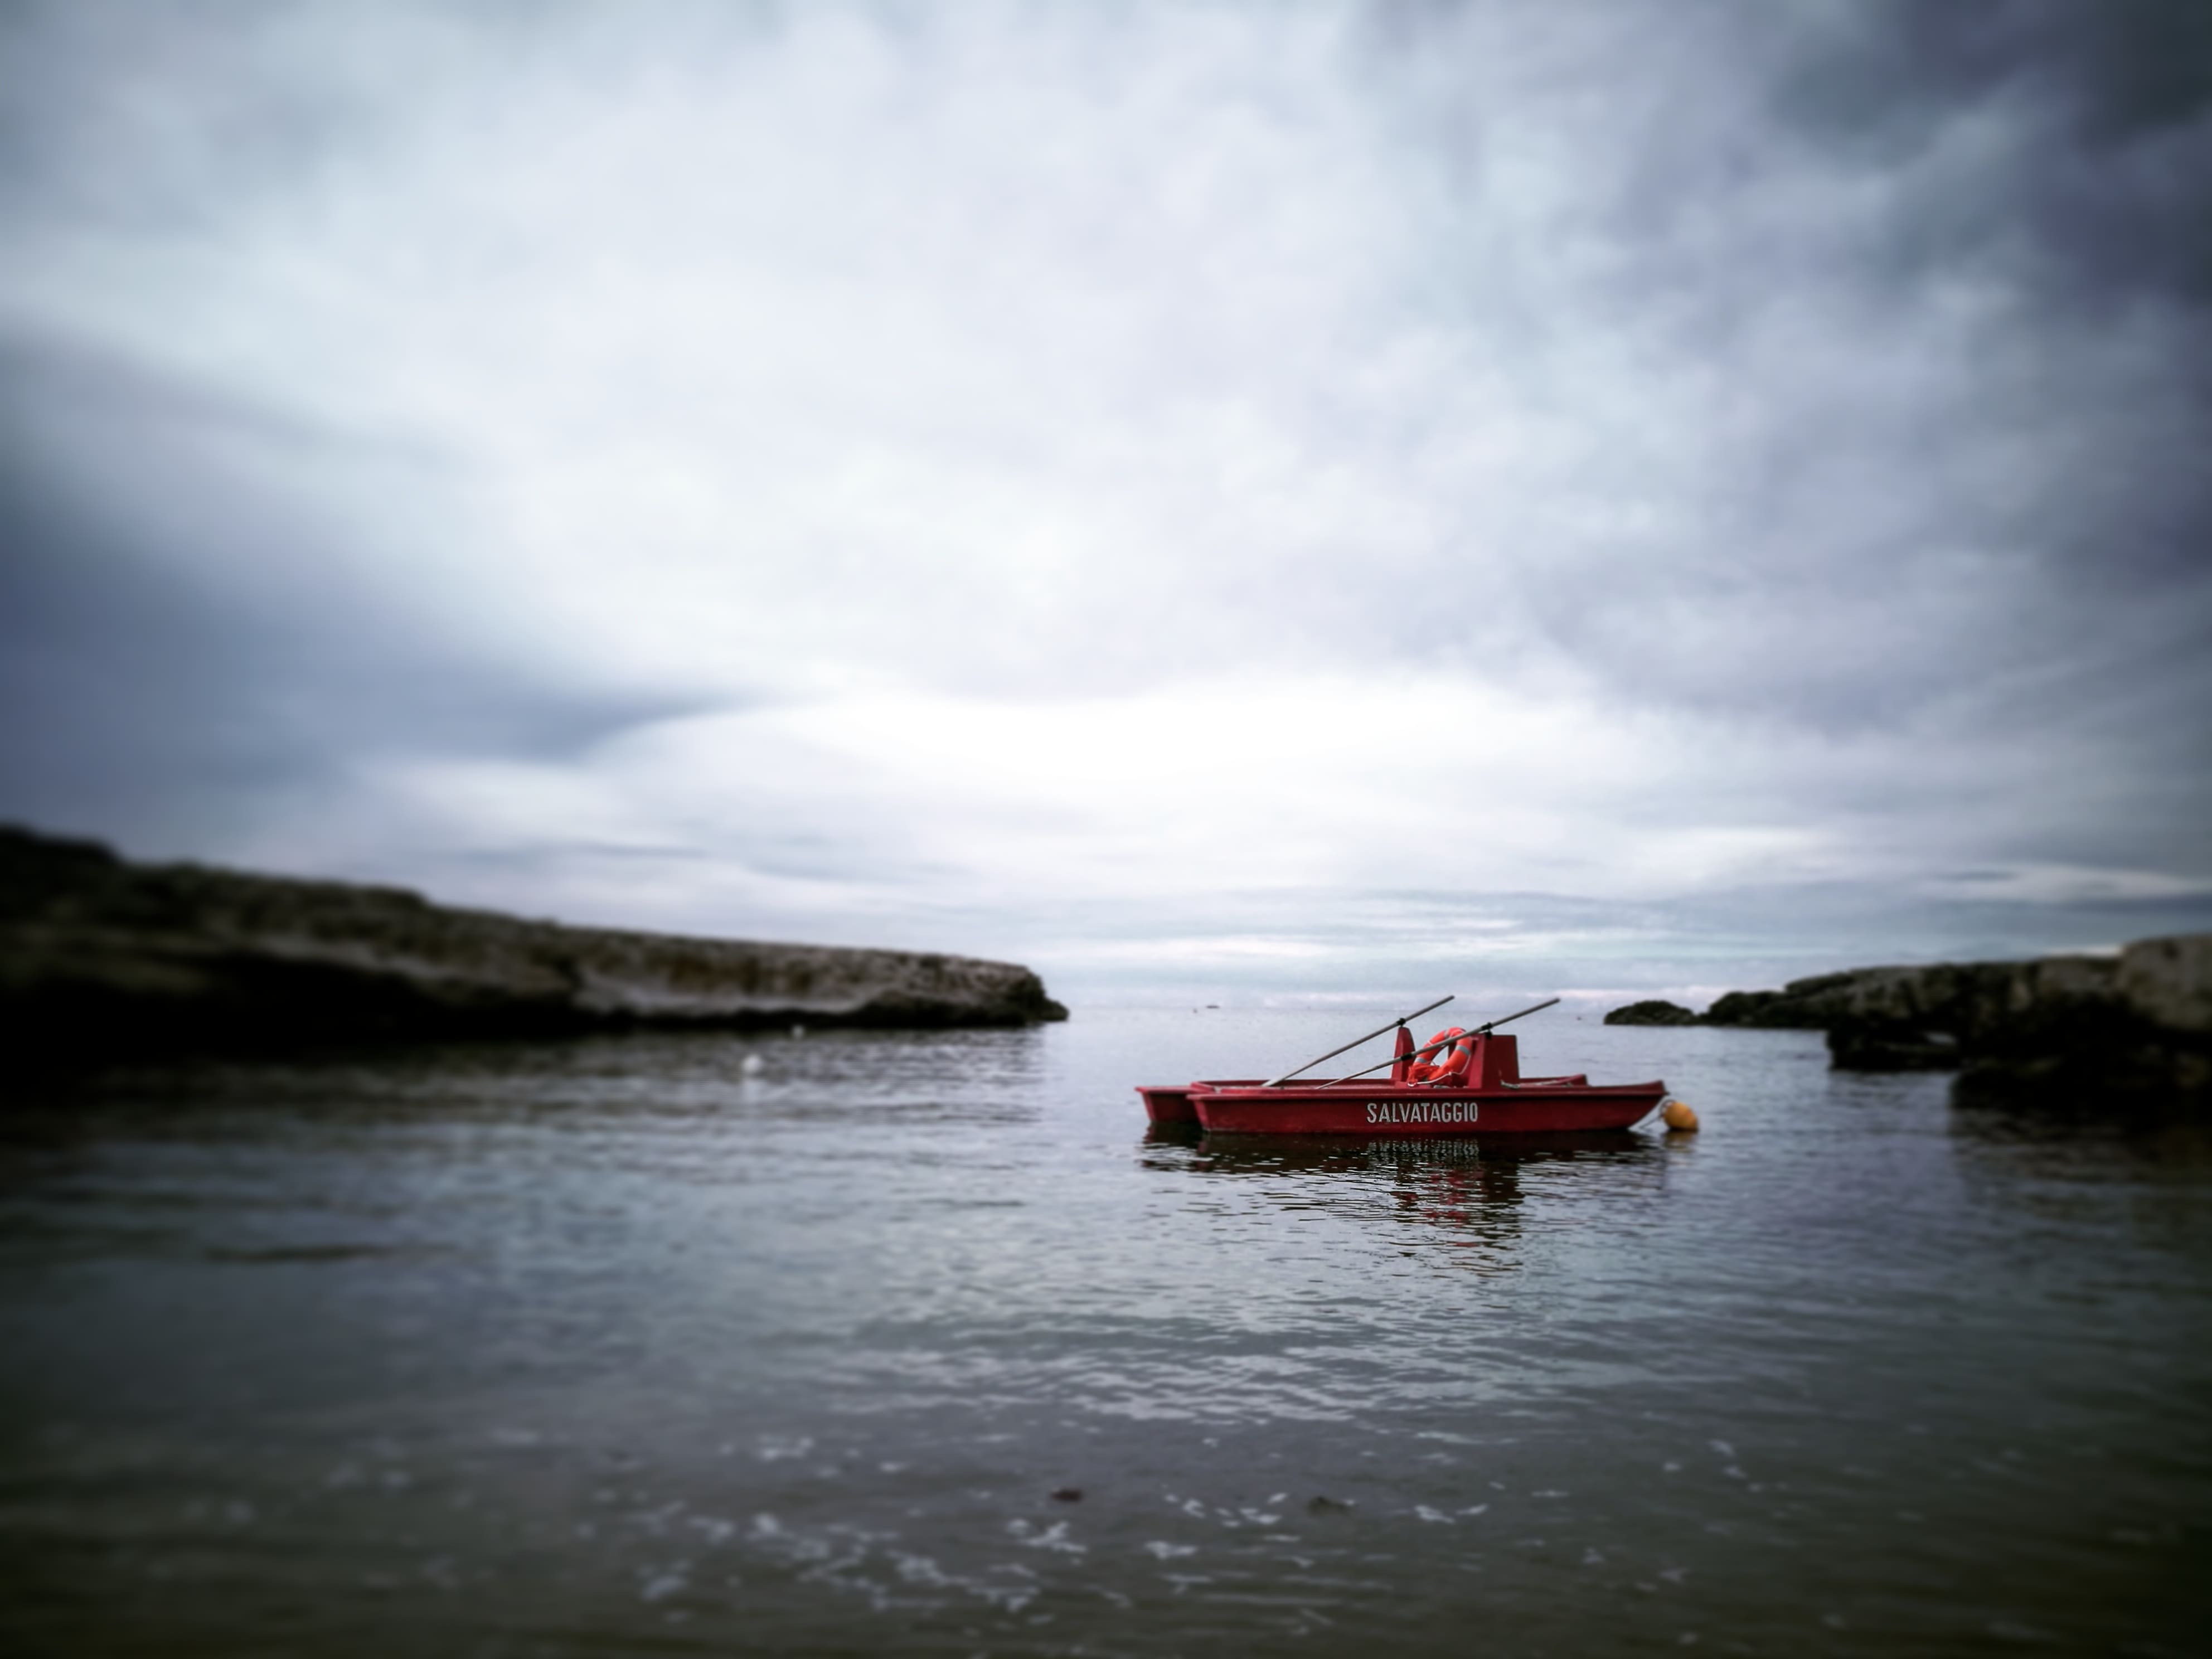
(1259,499)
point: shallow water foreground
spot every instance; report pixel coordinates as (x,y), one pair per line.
(625,1347)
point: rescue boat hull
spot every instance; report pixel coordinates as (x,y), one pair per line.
(1399,1112)
(1170,1102)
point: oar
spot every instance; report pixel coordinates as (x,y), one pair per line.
(1434,1047)
(1274,1082)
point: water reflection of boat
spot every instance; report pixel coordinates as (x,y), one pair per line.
(1470,1189)
(1324,1154)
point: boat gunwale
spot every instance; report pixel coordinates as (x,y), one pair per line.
(1426,1091)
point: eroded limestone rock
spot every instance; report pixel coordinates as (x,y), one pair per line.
(2134,1026)
(100,956)
(1651,1011)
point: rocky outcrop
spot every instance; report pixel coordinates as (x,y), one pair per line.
(1807,1005)
(2137,1025)
(1652,1011)
(2078,1030)
(1802,1005)
(99,957)
(2168,982)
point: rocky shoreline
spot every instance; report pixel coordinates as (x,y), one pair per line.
(99,957)
(2137,1025)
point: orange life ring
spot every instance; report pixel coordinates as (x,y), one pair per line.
(1447,1065)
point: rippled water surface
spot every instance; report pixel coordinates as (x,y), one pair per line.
(665,1346)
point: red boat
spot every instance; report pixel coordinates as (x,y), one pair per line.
(1170,1102)
(1459,1082)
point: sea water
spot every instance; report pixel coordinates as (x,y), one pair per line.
(882,1342)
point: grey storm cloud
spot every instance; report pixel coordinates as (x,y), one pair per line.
(2049,166)
(156,658)
(1767,441)
(2101,202)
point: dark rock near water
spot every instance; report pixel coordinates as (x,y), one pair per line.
(99,957)
(1803,1004)
(1851,1048)
(2134,1026)
(1651,1012)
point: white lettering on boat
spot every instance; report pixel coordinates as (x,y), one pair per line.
(1421,1111)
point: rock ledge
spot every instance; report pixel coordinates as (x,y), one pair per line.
(98,957)
(1652,1011)
(2135,1024)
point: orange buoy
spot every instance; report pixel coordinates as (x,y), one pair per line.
(1678,1116)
